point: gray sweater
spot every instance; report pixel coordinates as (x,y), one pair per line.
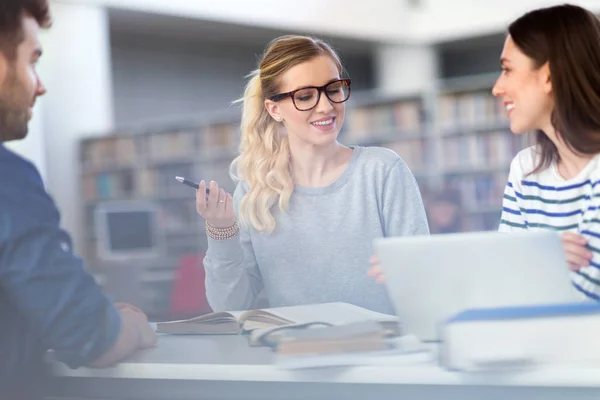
(321,248)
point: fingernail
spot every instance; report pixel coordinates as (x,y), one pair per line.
(202,182)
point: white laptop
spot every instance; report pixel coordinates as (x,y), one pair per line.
(430,278)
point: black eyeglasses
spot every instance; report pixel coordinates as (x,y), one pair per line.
(307,98)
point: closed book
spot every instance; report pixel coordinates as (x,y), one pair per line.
(522,337)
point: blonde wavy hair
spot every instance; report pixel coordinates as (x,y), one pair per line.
(264,160)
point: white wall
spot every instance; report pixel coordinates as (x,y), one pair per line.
(373,19)
(444,20)
(159,79)
(404,69)
(33,147)
(77,76)
(385,20)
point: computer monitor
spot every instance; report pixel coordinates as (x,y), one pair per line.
(127,230)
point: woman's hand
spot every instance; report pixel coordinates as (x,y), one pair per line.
(375,270)
(576,252)
(217,207)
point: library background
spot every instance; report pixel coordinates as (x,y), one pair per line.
(143,91)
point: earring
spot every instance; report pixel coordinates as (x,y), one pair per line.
(278,119)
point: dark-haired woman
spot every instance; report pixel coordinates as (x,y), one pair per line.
(550,84)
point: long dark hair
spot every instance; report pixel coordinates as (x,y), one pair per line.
(568,38)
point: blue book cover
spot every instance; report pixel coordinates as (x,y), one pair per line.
(522,312)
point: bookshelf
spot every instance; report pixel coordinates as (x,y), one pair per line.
(394,123)
(478,148)
(455,139)
(457,142)
(141,166)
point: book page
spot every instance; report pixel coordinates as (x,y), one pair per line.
(333,313)
(207,318)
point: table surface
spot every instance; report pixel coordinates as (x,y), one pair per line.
(230,358)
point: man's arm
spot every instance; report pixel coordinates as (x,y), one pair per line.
(47,284)
(134,334)
(62,303)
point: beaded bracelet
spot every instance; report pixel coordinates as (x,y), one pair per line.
(222,233)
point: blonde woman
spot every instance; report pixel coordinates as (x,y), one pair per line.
(308,207)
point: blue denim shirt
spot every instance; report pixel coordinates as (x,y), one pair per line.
(47,299)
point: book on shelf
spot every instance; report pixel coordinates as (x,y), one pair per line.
(109,185)
(235,322)
(171,145)
(470,108)
(146,182)
(109,151)
(219,137)
(395,118)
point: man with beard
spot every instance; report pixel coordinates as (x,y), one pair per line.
(47,299)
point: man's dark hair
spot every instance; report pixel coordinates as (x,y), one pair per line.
(11,29)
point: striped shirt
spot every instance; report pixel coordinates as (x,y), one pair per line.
(545,200)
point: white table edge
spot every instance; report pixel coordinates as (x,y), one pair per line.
(394,375)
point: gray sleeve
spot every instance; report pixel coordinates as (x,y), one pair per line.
(403,210)
(233,280)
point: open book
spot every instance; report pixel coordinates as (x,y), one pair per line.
(235,322)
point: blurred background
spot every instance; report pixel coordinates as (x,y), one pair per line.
(140,91)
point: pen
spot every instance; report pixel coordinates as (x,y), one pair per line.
(189,183)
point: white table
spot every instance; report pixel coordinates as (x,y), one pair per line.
(225,367)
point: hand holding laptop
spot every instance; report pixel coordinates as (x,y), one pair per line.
(375,270)
(575,249)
